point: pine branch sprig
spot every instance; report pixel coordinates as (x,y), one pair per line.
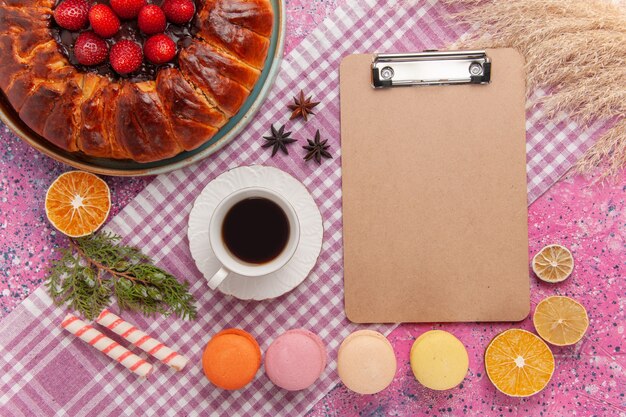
(97,267)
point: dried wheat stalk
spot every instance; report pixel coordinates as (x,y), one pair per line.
(576,49)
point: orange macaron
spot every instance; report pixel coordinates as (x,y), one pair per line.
(231,359)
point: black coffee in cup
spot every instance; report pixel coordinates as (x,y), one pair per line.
(255,230)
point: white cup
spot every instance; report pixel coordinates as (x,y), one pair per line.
(231,263)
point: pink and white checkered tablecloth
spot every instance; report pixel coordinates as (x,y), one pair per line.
(45,371)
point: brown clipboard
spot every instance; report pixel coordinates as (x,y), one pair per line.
(434,196)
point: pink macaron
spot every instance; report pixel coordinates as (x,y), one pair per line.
(295,359)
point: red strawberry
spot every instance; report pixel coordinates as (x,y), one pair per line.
(126,57)
(179,11)
(72,14)
(90,49)
(159,49)
(127,9)
(151,19)
(103,21)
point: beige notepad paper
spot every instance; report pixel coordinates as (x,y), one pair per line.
(434,197)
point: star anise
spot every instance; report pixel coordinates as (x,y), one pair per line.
(302,107)
(317,149)
(279,140)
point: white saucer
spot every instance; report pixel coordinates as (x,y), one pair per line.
(311,231)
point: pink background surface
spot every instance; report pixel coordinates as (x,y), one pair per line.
(589,219)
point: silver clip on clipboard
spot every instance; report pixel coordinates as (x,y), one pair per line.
(431,68)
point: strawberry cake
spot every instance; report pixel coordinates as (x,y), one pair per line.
(125,79)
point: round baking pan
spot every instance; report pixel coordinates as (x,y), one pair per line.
(228,132)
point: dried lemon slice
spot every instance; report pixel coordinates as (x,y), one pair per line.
(560,320)
(554,263)
(519,363)
(78,203)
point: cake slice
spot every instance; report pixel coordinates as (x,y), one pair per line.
(97,114)
(48,4)
(256,15)
(43,64)
(193,118)
(225,64)
(141,127)
(26,41)
(50,111)
(10,64)
(46,96)
(21,32)
(63,122)
(24,18)
(194,63)
(249,46)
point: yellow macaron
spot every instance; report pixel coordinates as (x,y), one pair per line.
(439,360)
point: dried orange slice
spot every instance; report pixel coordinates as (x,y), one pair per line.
(554,263)
(519,363)
(560,320)
(78,203)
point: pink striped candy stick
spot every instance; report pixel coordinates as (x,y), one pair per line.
(142,340)
(111,348)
